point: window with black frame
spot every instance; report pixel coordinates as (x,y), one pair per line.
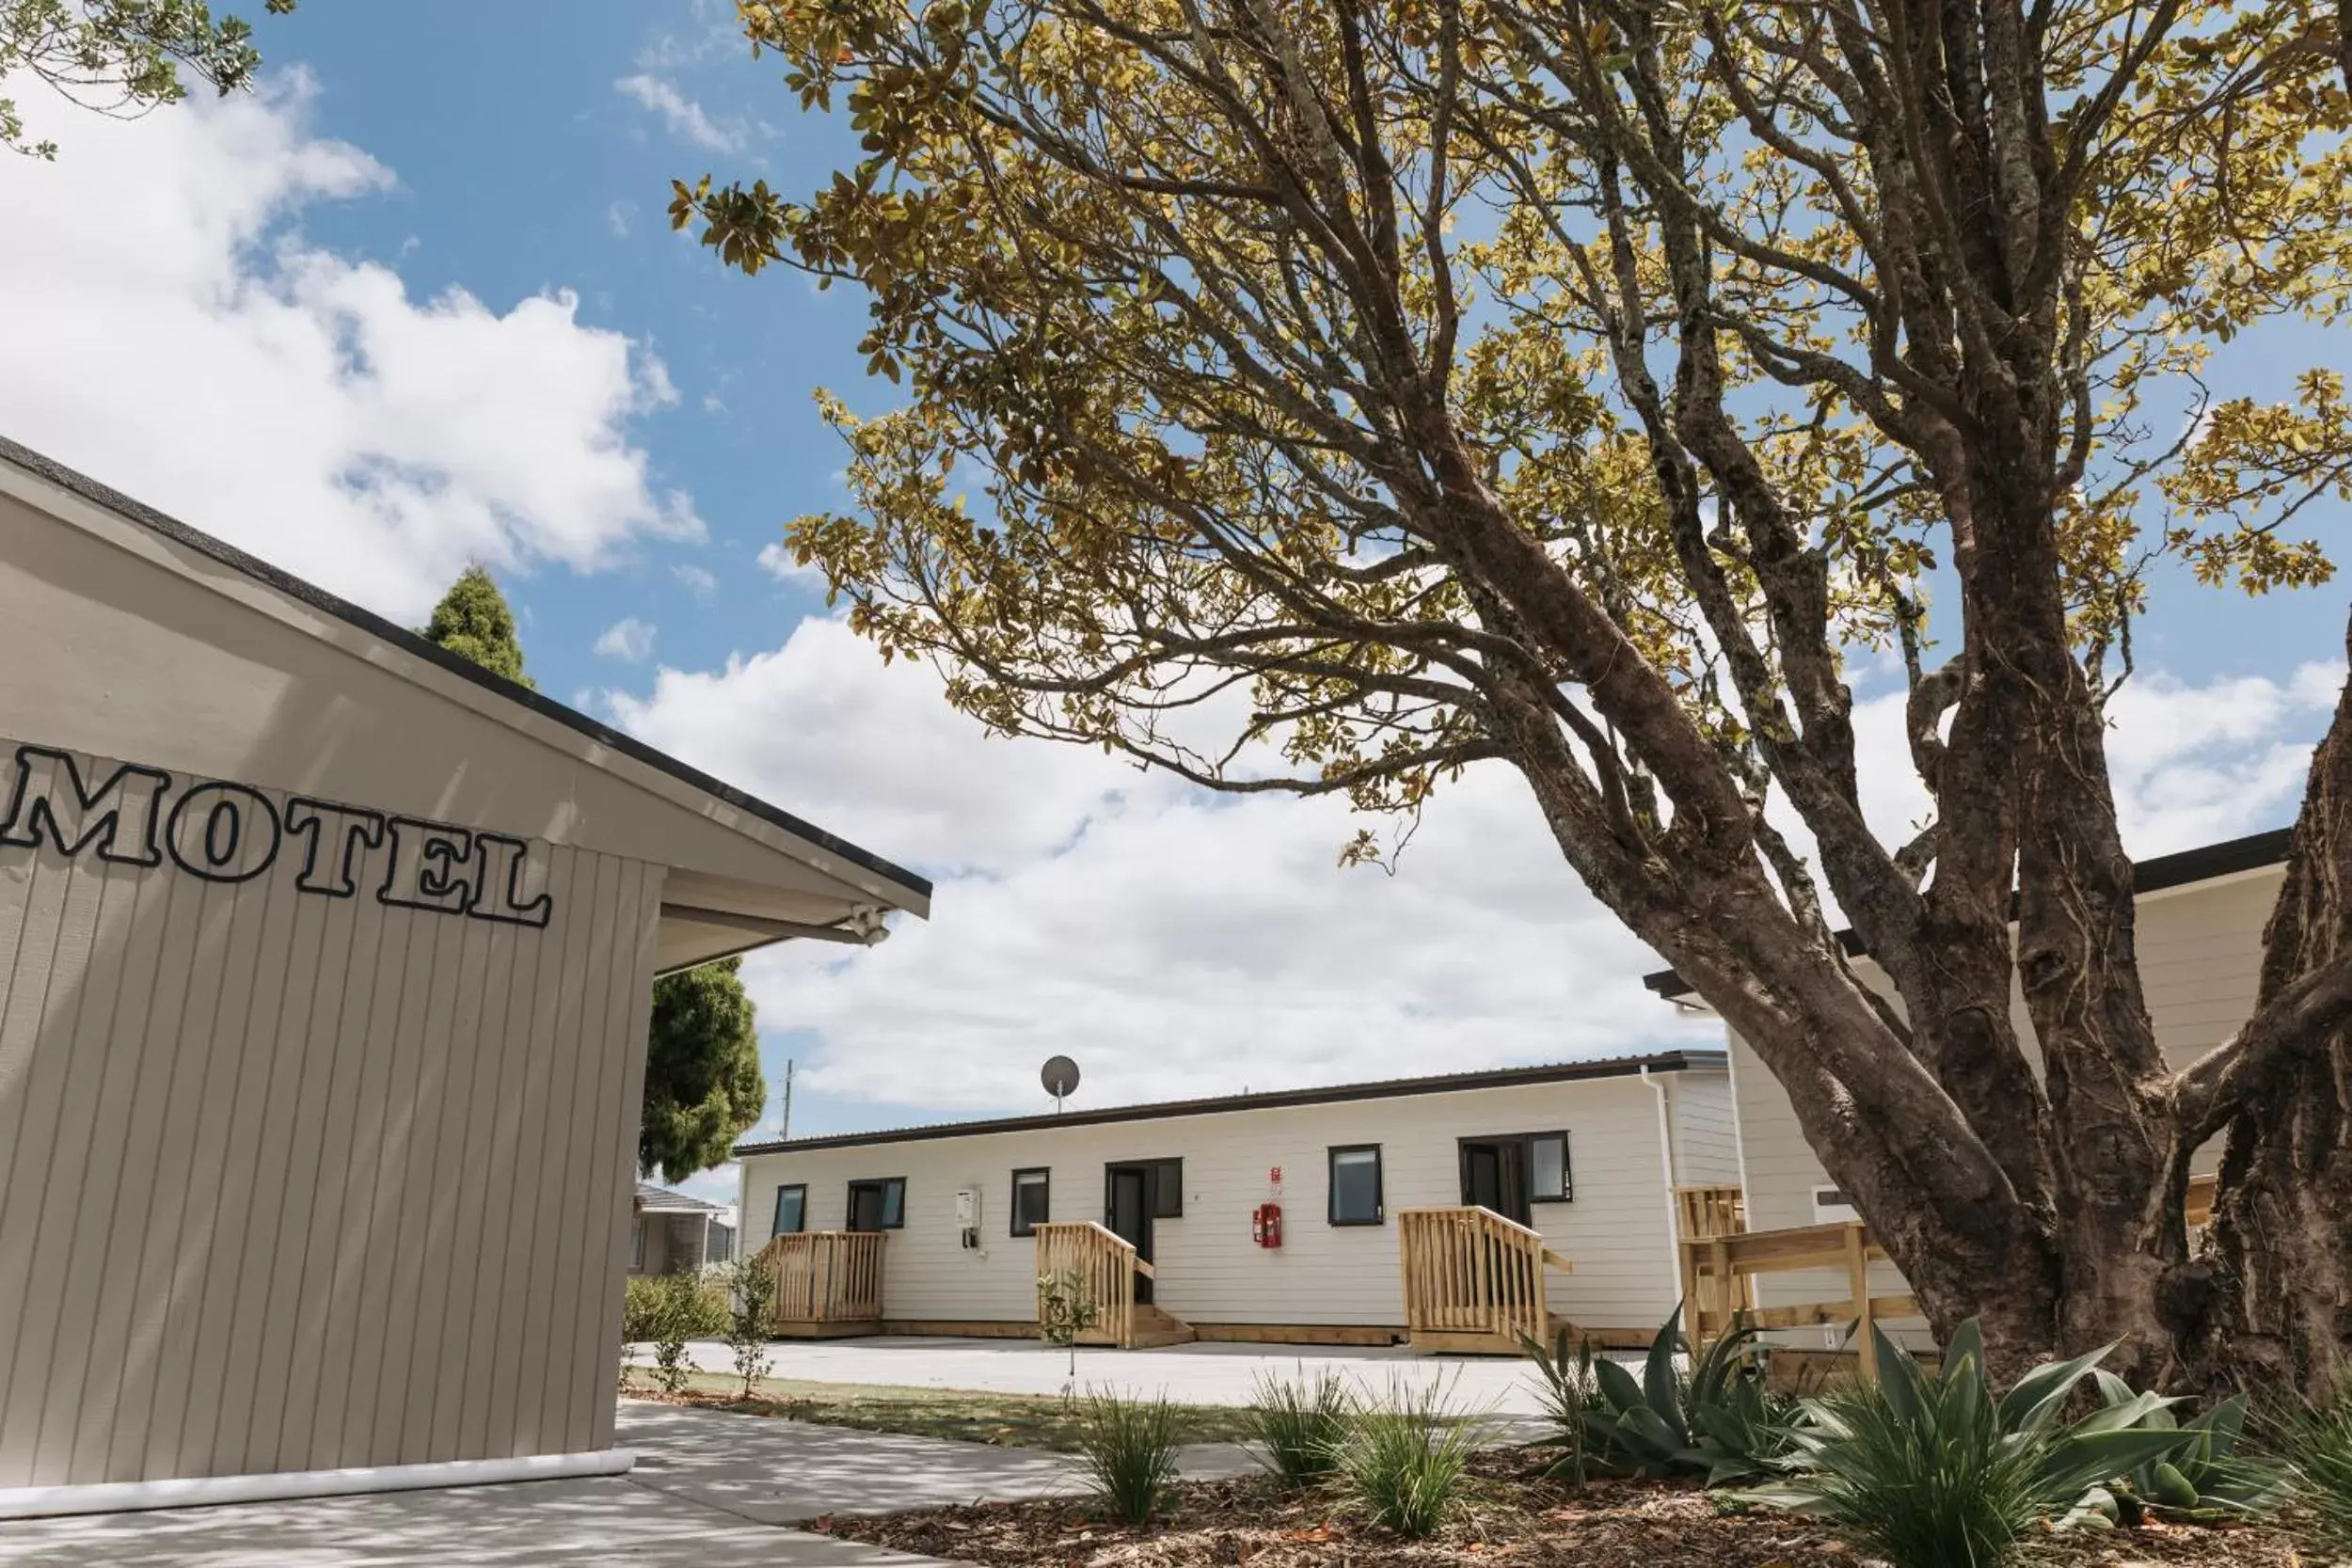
(1032,1201)
(878,1204)
(791,1210)
(1549,1179)
(1355,1185)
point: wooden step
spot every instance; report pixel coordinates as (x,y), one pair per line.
(1156,1327)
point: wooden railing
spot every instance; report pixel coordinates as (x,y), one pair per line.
(1473,1280)
(1717,1272)
(1105,1266)
(1703,1214)
(825,1279)
(1710,1211)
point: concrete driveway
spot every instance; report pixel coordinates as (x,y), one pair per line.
(1187,1375)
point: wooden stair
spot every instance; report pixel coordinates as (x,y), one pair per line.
(1155,1328)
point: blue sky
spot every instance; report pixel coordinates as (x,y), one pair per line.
(419,301)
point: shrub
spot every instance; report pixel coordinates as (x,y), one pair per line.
(1405,1465)
(679,1309)
(1719,1422)
(751,1287)
(1929,1470)
(2206,1480)
(1130,1449)
(1302,1426)
(1065,1311)
(2316,1438)
(650,1295)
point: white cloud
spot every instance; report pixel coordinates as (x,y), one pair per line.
(1179,943)
(682,115)
(698,580)
(776,560)
(630,639)
(190,347)
(618,216)
(1175,943)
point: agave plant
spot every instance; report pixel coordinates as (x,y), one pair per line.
(1718,1422)
(1931,1470)
(2204,1480)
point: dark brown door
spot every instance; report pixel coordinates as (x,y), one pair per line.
(1494,1176)
(1127,1211)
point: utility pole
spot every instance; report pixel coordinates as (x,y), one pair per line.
(785,1131)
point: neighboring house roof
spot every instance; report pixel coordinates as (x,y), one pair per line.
(2208,863)
(661,1200)
(1386,1088)
(408,641)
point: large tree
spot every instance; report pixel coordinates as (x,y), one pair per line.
(704,1089)
(1355,391)
(120,57)
(703,1082)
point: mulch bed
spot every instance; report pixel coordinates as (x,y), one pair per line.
(1516,1517)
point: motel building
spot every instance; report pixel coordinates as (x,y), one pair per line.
(325,966)
(1460,1212)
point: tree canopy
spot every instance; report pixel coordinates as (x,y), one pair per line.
(703,1082)
(1328,396)
(474,621)
(704,1089)
(120,57)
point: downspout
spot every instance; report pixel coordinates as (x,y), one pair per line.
(1667,1170)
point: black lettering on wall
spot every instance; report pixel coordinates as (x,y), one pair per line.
(223,833)
(504,861)
(431,866)
(335,837)
(119,814)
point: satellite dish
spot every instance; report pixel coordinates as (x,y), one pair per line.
(1061,1078)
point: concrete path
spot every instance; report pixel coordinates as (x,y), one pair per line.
(710,1490)
(1187,1375)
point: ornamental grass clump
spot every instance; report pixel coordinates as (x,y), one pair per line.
(1405,1466)
(1716,1422)
(1130,1449)
(1930,1470)
(2317,1441)
(1302,1426)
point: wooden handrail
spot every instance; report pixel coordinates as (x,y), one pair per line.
(1474,1279)
(826,1276)
(1106,1266)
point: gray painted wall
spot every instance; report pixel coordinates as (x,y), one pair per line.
(264,1155)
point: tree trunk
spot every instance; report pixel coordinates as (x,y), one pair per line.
(2271,1298)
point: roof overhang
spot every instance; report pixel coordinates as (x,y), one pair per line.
(1386,1088)
(2160,875)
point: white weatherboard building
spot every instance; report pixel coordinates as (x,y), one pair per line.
(1586,1156)
(325,964)
(2200,919)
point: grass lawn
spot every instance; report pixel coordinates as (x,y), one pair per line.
(1012,1420)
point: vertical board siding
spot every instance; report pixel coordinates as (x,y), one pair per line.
(296,1181)
(1617,1232)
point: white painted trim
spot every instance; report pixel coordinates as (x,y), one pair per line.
(131,1497)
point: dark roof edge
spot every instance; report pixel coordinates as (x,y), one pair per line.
(2153,875)
(1389,1088)
(409,643)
